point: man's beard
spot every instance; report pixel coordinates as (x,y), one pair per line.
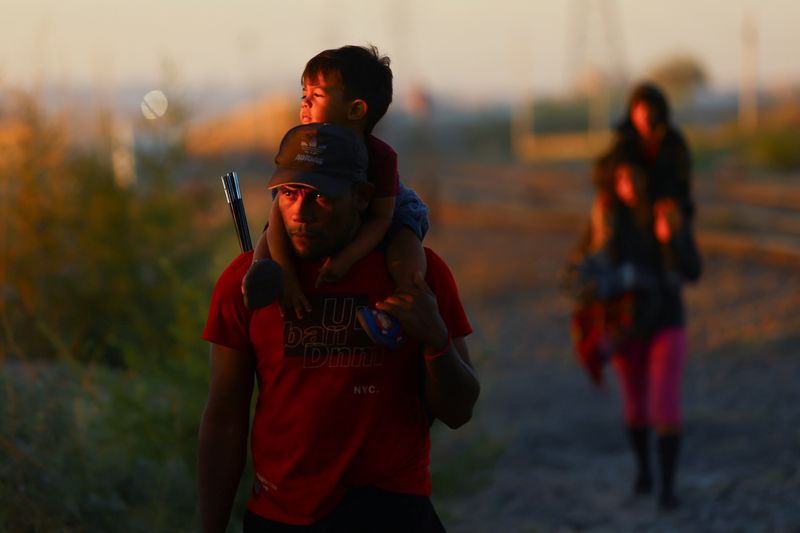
(324,249)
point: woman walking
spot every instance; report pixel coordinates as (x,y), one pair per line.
(642,223)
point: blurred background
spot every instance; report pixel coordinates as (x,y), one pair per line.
(118,119)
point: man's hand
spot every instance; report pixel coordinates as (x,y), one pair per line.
(416,309)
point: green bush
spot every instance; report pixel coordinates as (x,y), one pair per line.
(95,449)
(776,149)
(95,271)
(103,294)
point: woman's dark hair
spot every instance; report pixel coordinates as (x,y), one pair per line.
(650,94)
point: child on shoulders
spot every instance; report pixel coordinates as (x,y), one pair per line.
(351,86)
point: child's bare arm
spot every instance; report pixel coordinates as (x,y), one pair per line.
(673,229)
(369,235)
(261,251)
(280,250)
(405,256)
(600,223)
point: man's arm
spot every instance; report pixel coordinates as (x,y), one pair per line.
(261,250)
(224,428)
(451,385)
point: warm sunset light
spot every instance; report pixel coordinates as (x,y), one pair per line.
(400,265)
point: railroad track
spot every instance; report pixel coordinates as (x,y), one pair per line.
(759,219)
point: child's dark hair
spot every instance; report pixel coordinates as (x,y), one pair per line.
(363,72)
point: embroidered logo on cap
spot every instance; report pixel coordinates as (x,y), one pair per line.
(311,151)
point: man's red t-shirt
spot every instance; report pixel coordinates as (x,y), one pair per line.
(334,410)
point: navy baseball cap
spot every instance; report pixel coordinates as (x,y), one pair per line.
(323,156)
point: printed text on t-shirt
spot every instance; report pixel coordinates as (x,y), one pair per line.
(330,336)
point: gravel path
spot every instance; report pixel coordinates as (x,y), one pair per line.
(547,452)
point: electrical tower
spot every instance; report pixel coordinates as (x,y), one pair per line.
(596,64)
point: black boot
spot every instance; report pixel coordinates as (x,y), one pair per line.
(639,438)
(668,450)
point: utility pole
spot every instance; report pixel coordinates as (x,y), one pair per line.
(748,78)
(523,99)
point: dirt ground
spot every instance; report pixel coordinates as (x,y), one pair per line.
(547,452)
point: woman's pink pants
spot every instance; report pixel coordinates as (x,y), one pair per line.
(650,378)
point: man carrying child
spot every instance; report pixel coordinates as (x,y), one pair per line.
(340,437)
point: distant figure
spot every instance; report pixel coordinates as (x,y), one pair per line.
(636,256)
(340,436)
(351,87)
(614,286)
